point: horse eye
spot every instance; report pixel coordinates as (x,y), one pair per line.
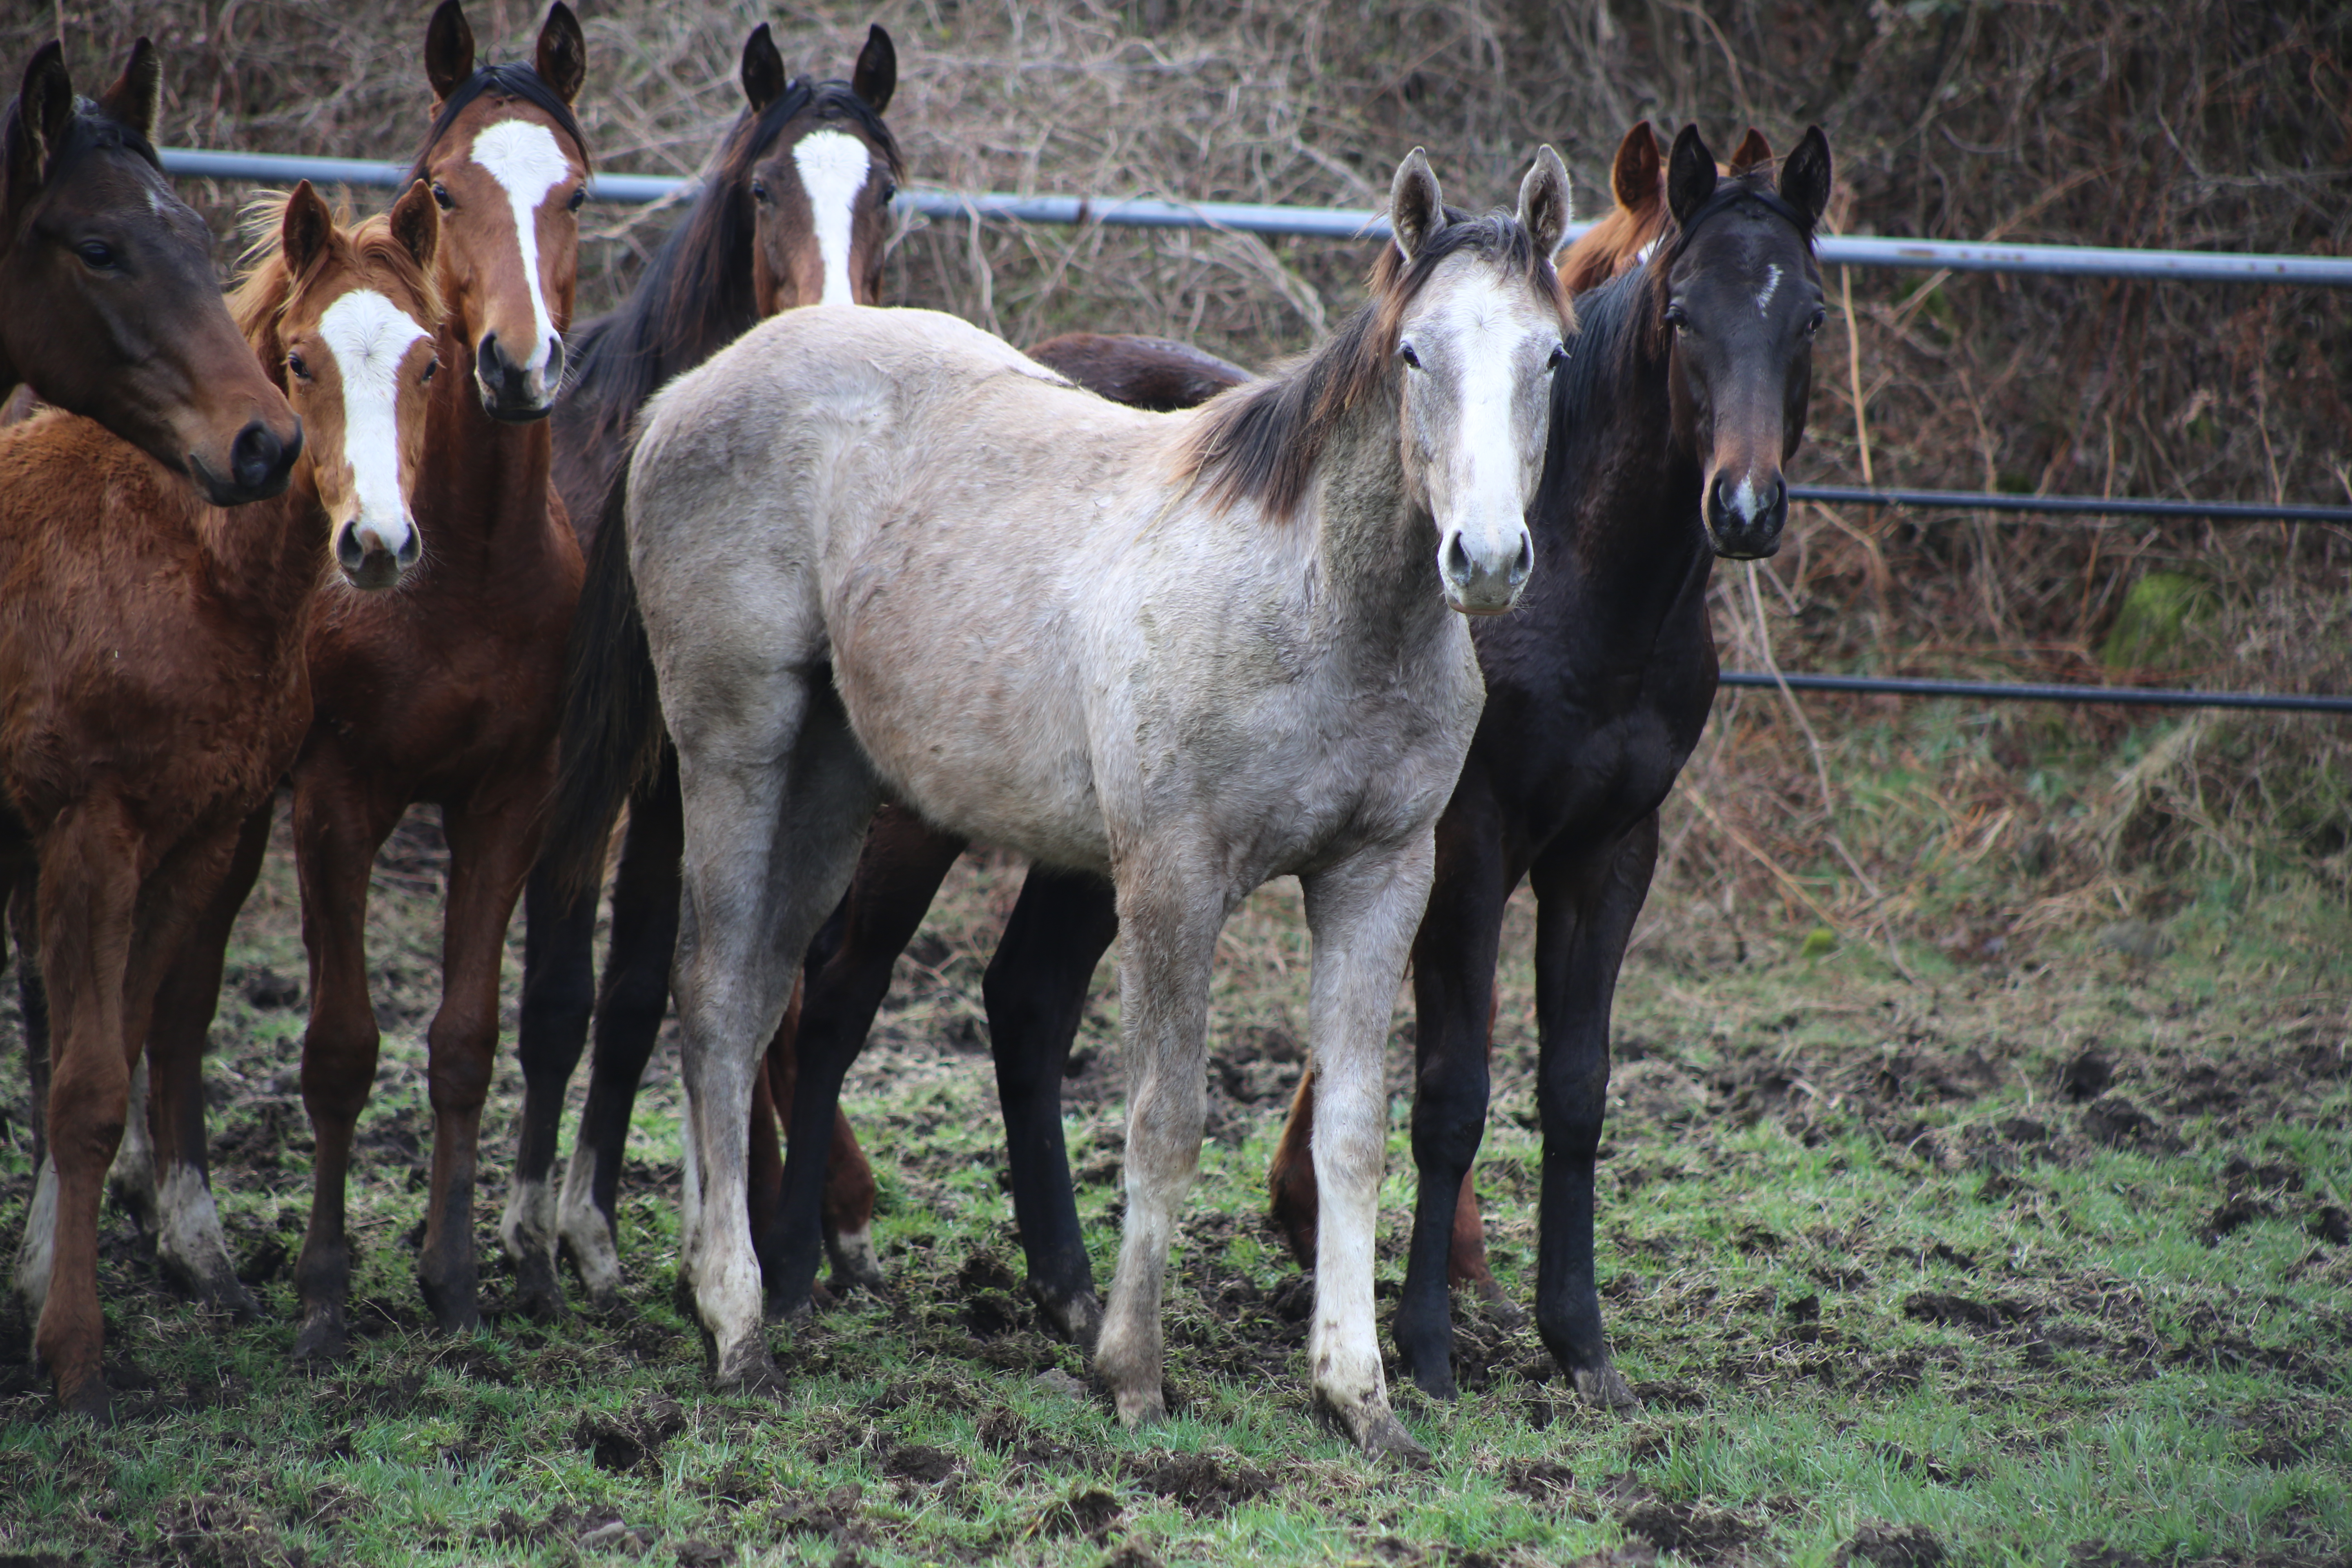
(759,190)
(1405,353)
(294,363)
(1556,358)
(441,194)
(96,255)
(578,197)
(1676,318)
(432,367)
(1814,325)
(890,193)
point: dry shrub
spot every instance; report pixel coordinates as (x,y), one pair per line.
(2177,123)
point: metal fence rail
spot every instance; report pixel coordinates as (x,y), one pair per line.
(2078,506)
(1347,222)
(2006,691)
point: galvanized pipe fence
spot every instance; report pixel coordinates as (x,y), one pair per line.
(1844,250)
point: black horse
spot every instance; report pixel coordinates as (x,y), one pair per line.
(1686,392)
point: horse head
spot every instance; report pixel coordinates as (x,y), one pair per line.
(1740,289)
(347,318)
(507,165)
(824,170)
(109,304)
(1480,328)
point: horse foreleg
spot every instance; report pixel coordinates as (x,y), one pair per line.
(629,1006)
(336,833)
(189,1245)
(491,846)
(1453,983)
(1585,911)
(1036,991)
(770,846)
(900,868)
(558,997)
(1170,923)
(1361,914)
(87,905)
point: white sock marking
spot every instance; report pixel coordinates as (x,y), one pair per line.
(526,161)
(833,166)
(368,337)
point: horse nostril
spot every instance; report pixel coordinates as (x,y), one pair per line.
(255,458)
(1525,561)
(488,363)
(348,554)
(409,548)
(1457,560)
(555,361)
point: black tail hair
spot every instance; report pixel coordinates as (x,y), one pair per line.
(611,735)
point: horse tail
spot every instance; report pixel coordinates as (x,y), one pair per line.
(611,735)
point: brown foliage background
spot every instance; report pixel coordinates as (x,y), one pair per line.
(2186,123)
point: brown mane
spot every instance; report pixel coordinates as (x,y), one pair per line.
(1262,443)
(262,296)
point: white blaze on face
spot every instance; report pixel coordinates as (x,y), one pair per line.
(1771,287)
(1483,322)
(525,160)
(834,167)
(368,337)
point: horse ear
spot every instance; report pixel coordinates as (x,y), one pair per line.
(1805,177)
(1544,202)
(764,78)
(416,224)
(303,233)
(875,76)
(1752,150)
(1416,207)
(137,96)
(1690,175)
(448,48)
(563,62)
(44,109)
(1633,177)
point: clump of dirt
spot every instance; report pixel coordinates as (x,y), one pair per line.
(834,1515)
(1700,1534)
(1198,1483)
(631,1442)
(1886,1545)
(1539,1480)
(1088,1512)
(923,1466)
(699,1554)
(210,1531)
(2118,1123)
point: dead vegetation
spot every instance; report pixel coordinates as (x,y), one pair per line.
(2205,124)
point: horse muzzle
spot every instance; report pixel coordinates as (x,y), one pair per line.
(1744,518)
(516,394)
(260,465)
(1484,570)
(374,556)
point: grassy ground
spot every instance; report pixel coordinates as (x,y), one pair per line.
(2032,1257)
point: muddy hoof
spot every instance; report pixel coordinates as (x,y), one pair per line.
(1076,1320)
(1604,1388)
(1500,1309)
(1138,1408)
(539,1294)
(747,1368)
(88,1399)
(320,1341)
(855,1265)
(1436,1381)
(1376,1432)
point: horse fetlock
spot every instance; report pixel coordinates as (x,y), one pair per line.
(37,1249)
(584,1236)
(191,1248)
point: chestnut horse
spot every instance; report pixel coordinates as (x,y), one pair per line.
(151,668)
(795,208)
(1035,987)
(444,692)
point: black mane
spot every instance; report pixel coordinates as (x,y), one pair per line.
(512,81)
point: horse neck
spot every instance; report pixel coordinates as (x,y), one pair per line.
(482,489)
(1375,546)
(1618,514)
(266,555)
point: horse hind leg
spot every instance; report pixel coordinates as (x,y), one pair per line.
(769,851)
(557,1000)
(630,1000)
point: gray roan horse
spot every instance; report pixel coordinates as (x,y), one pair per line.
(879,553)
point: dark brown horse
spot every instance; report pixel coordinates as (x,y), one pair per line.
(445,693)
(153,687)
(794,206)
(1687,391)
(108,305)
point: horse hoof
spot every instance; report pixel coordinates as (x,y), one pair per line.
(1139,1409)
(230,1297)
(539,1294)
(748,1369)
(1375,1431)
(320,1341)
(855,1265)
(1500,1309)
(1076,1319)
(88,1399)
(1436,1381)
(1604,1388)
